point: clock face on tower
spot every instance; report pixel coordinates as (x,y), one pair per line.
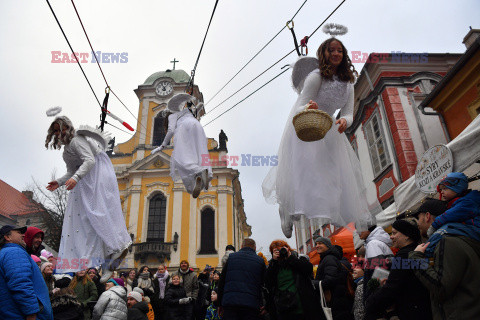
(164,88)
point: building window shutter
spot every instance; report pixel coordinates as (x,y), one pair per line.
(376,144)
(156,218)
(207,233)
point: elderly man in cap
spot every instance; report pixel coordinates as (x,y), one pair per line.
(453,280)
(23,291)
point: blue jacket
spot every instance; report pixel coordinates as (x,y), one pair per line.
(242,280)
(466,209)
(22,288)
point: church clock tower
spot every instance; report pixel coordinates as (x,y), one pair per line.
(166,224)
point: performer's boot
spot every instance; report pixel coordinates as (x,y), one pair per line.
(205,180)
(198,186)
(116,259)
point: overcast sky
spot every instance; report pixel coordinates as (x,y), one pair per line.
(152,33)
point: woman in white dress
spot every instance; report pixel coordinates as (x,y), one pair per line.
(322,179)
(190,157)
(94,231)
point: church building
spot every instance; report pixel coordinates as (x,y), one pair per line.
(167,224)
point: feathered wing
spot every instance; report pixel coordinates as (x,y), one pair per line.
(102,138)
(301,68)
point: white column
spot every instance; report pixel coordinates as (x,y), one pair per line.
(135,193)
(192,248)
(177,222)
(222,217)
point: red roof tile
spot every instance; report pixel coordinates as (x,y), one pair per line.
(13,202)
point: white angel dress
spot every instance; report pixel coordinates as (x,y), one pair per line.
(190,155)
(93,227)
(320,180)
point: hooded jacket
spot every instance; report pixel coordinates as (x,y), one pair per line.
(465,209)
(29,235)
(378,244)
(112,305)
(138,311)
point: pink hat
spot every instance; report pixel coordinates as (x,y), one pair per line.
(35,258)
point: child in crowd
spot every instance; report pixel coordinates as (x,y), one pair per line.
(212,311)
(176,299)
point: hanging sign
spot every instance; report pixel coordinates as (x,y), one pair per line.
(434,165)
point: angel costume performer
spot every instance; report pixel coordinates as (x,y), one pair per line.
(94,229)
(322,179)
(188,157)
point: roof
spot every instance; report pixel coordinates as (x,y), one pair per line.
(13,202)
(178,76)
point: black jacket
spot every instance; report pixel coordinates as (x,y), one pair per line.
(138,311)
(66,307)
(302,273)
(174,309)
(334,279)
(402,289)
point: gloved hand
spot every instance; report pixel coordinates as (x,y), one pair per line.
(430,231)
(184,301)
(157,149)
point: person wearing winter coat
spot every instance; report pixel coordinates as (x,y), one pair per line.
(202,302)
(150,313)
(23,293)
(228,250)
(402,289)
(34,239)
(190,283)
(291,294)
(93,274)
(144,281)
(160,283)
(176,299)
(112,304)
(47,273)
(137,309)
(132,276)
(333,277)
(212,310)
(65,305)
(85,290)
(453,279)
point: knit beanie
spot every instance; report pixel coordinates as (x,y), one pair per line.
(46,254)
(35,258)
(325,241)
(44,265)
(139,290)
(455,181)
(117,282)
(135,295)
(407,228)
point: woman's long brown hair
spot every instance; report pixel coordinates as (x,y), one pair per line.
(345,71)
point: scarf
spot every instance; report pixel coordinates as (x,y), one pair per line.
(184,272)
(454,228)
(144,276)
(162,282)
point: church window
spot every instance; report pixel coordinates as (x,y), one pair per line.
(377,146)
(156,218)
(158,131)
(207,233)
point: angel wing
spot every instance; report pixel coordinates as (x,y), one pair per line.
(301,69)
(102,138)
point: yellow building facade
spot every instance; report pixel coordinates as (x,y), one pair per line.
(167,224)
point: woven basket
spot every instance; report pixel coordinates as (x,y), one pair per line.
(312,124)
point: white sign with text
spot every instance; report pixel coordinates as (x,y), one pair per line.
(434,165)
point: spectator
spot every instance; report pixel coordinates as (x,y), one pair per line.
(240,286)
(228,250)
(37,260)
(144,281)
(190,283)
(202,302)
(47,273)
(288,280)
(402,289)
(344,261)
(160,283)
(150,314)
(213,285)
(212,310)
(23,292)
(132,275)
(176,299)
(112,303)
(137,309)
(85,290)
(33,240)
(358,273)
(333,279)
(453,280)
(64,302)
(47,256)
(93,275)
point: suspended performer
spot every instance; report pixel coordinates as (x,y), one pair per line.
(188,156)
(94,231)
(321,179)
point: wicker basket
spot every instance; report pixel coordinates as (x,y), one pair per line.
(312,124)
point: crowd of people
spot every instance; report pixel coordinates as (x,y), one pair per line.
(433,274)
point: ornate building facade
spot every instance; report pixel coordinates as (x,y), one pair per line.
(168,225)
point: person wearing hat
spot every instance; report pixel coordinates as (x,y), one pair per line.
(47,273)
(151,313)
(228,250)
(65,304)
(333,279)
(112,303)
(34,239)
(463,204)
(22,288)
(453,279)
(137,309)
(402,289)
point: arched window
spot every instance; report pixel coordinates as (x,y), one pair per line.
(156,218)
(207,233)
(158,132)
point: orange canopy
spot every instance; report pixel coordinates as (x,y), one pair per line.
(342,237)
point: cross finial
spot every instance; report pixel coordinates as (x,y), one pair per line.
(174,61)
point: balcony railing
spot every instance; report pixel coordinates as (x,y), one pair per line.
(161,250)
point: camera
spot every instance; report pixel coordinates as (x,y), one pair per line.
(283,253)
